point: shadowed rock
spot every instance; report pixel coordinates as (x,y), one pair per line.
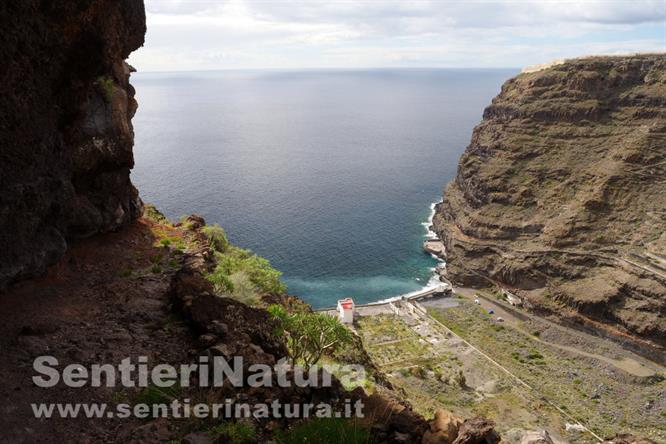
(65,126)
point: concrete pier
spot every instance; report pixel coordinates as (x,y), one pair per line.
(385,306)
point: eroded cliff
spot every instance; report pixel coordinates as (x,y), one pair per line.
(561,195)
(65,130)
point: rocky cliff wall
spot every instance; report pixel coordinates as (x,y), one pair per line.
(561,194)
(65,126)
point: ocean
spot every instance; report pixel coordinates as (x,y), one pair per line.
(328,174)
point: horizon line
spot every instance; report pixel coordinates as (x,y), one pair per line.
(404,68)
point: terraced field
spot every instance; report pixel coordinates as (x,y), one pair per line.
(515,374)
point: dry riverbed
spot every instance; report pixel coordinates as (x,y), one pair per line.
(525,373)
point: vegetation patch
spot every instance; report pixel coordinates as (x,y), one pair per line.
(244,275)
(107,87)
(309,335)
(233,433)
(584,387)
(325,431)
(217,236)
(157,395)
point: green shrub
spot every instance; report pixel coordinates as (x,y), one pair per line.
(221,281)
(233,433)
(459,378)
(325,431)
(119,396)
(263,275)
(217,236)
(150,212)
(174,242)
(243,288)
(157,395)
(107,87)
(534,355)
(178,244)
(418,372)
(258,270)
(309,335)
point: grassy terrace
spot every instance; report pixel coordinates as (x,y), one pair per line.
(426,362)
(437,370)
(602,397)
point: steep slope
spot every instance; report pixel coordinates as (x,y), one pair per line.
(561,195)
(66,152)
(65,132)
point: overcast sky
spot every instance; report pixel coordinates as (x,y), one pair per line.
(188,35)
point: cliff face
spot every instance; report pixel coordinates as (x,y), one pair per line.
(561,194)
(65,132)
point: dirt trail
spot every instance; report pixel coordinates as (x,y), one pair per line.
(105,301)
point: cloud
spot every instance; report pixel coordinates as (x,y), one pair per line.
(204,34)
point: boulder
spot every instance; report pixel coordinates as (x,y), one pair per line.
(194,221)
(534,437)
(197,438)
(443,428)
(477,431)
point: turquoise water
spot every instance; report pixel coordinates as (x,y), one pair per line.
(328,174)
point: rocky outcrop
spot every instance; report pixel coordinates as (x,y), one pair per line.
(228,328)
(446,428)
(477,431)
(534,437)
(443,428)
(560,196)
(65,126)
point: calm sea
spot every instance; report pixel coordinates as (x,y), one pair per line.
(328,174)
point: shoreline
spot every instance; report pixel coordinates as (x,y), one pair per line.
(434,280)
(432,235)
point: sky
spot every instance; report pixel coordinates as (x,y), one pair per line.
(190,35)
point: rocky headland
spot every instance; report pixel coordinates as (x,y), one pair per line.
(560,197)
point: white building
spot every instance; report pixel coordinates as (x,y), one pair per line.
(346,310)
